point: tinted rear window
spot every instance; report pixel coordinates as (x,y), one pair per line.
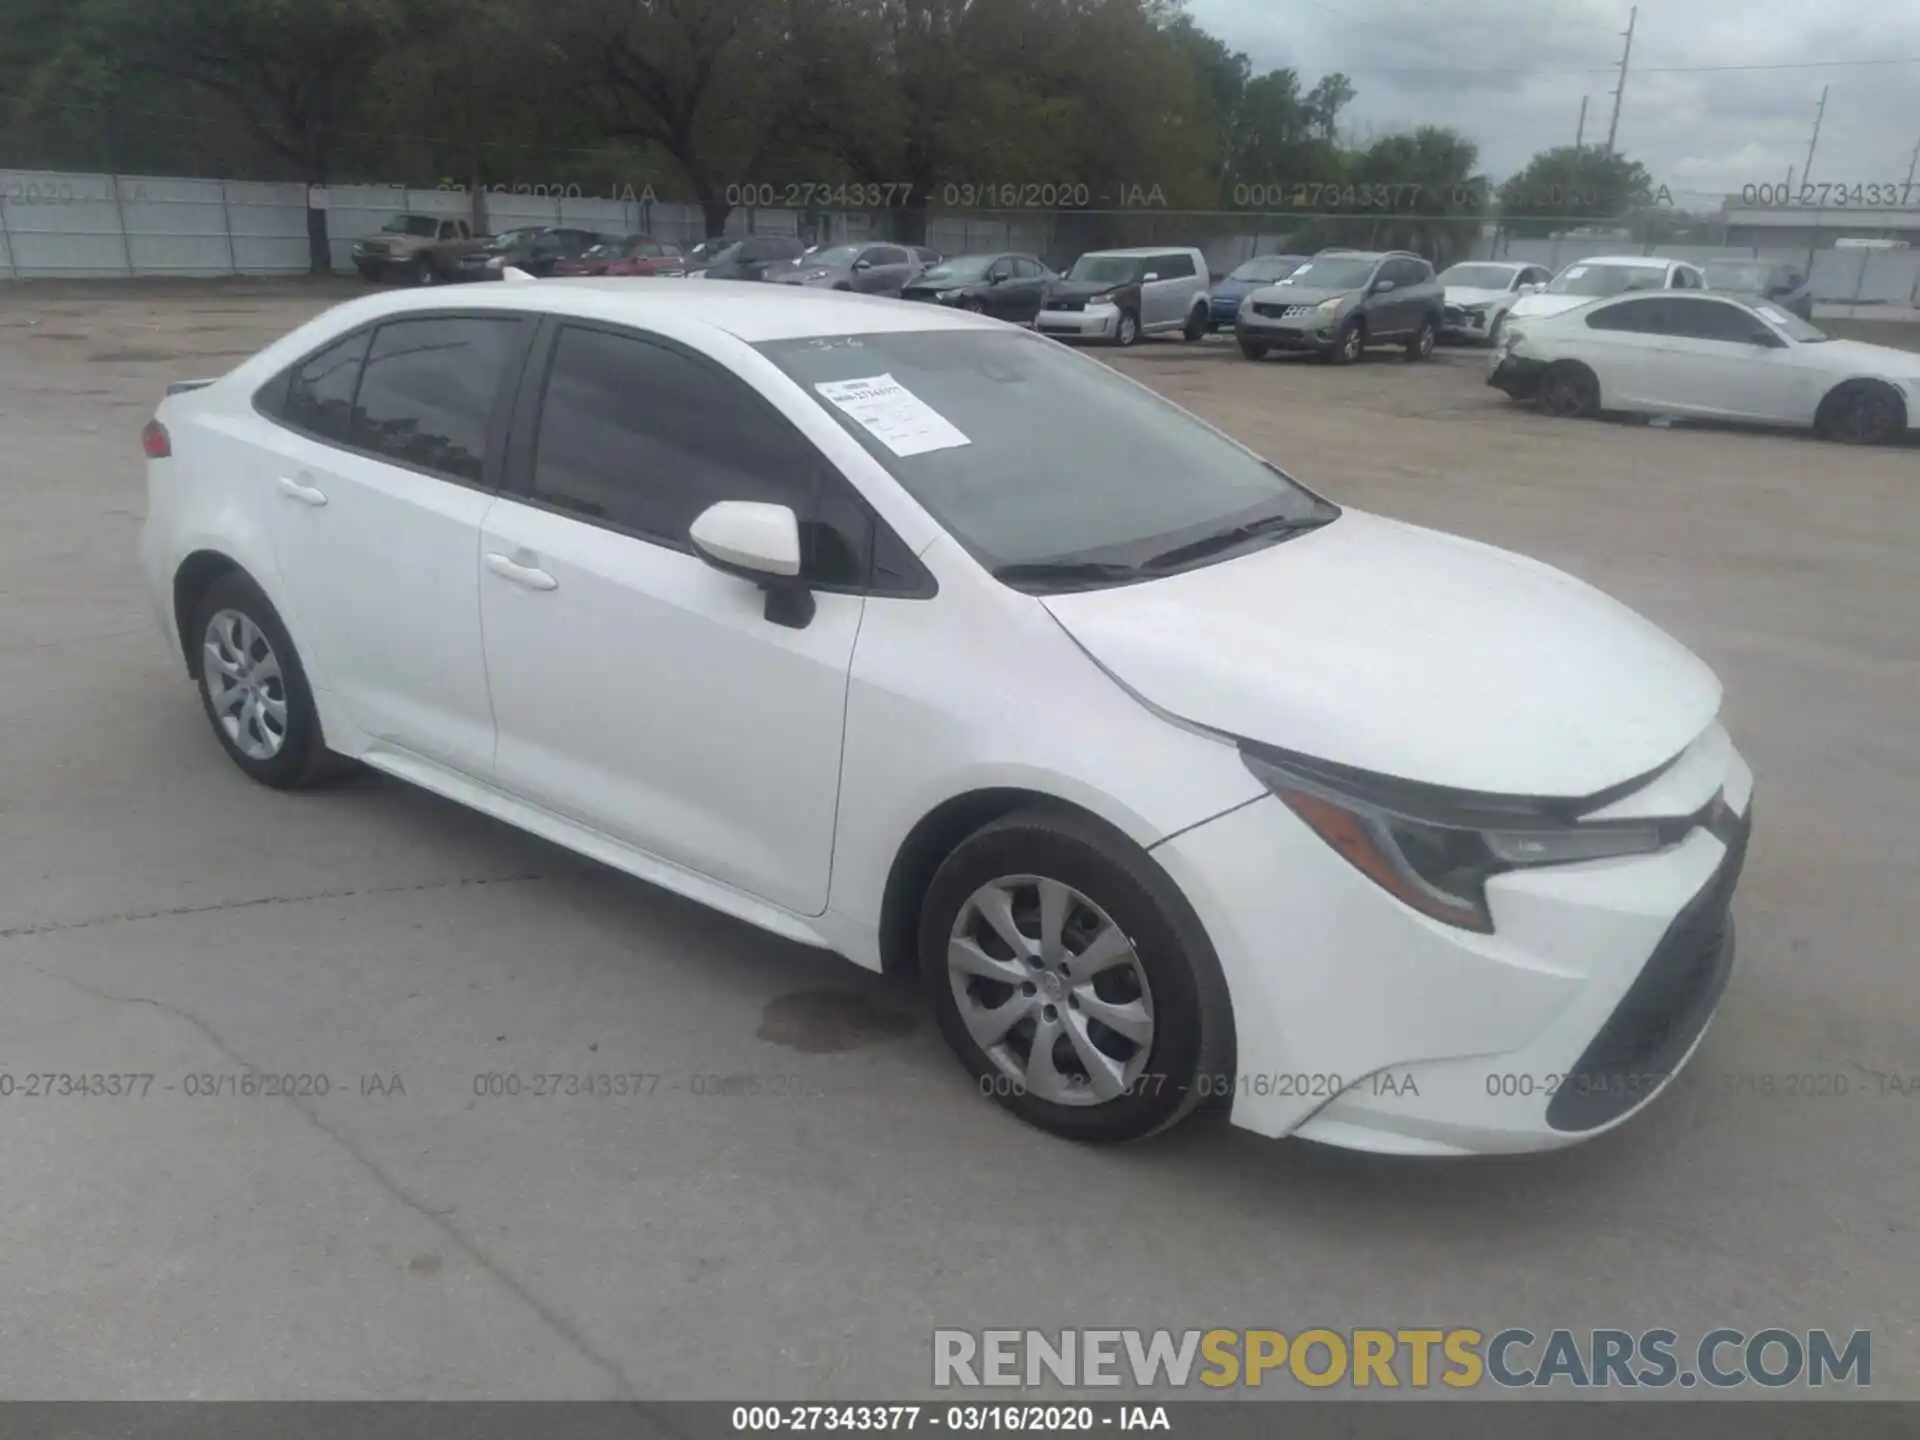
(428,393)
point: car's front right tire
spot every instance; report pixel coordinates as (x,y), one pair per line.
(1073,980)
(254,689)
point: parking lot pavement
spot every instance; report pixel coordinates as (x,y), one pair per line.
(413,1232)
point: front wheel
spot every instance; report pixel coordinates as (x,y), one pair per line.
(1252,349)
(1569,390)
(1861,412)
(1127,330)
(421,271)
(1350,346)
(973,306)
(1073,980)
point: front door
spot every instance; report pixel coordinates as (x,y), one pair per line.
(638,690)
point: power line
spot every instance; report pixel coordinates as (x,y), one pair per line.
(1604,69)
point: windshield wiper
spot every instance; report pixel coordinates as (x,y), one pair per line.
(1053,573)
(1266,525)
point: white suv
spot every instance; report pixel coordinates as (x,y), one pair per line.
(1603,275)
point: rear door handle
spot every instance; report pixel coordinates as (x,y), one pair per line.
(305,494)
(527,575)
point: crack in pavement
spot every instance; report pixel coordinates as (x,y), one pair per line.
(461,1241)
(50,927)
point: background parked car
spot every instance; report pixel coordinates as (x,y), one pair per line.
(1479,293)
(536,250)
(1121,295)
(1726,357)
(752,257)
(1006,286)
(1602,275)
(629,255)
(1243,280)
(1342,301)
(1764,279)
(701,254)
(868,268)
(418,249)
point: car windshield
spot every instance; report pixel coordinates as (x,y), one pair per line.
(1795,328)
(1105,269)
(836,255)
(960,269)
(1266,269)
(1737,275)
(1588,279)
(512,239)
(424,225)
(1478,277)
(1033,456)
(725,256)
(1346,273)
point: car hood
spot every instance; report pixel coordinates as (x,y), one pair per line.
(1860,355)
(1473,295)
(1409,653)
(1284,294)
(1239,289)
(1544,304)
(797,272)
(1083,289)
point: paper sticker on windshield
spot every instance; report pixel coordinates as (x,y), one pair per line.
(893,414)
(1772,314)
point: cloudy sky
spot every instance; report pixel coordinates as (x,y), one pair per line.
(1414,62)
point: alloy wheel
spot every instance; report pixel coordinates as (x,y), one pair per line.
(245,686)
(1128,329)
(1051,990)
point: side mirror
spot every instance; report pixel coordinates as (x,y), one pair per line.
(1150,275)
(1381,287)
(758,542)
(863,264)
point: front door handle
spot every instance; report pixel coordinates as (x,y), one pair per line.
(305,494)
(531,577)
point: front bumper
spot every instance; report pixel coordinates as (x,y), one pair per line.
(1095,324)
(1312,332)
(1515,374)
(1363,1024)
(1460,324)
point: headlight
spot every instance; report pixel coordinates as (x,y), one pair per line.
(1330,307)
(498,262)
(1093,300)
(1476,312)
(665,273)
(948,294)
(816,274)
(1435,851)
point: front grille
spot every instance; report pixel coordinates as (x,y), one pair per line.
(1453,315)
(1667,1006)
(1281,312)
(1066,305)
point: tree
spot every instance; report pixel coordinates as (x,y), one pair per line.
(293,70)
(1571,185)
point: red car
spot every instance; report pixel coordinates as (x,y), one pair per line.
(631,255)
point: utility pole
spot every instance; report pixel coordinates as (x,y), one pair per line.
(1911,164)
(1580,130)
(1806,173)
(1620,89)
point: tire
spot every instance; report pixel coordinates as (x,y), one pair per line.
(1493,335)
(1162,979)
(973,306)
(421,272)
(368,274)
(1126,331)
(1350,346)
(1420,347)
(1252,349)
(240,622)
(1861,412)
(1569,390)
(1197,326)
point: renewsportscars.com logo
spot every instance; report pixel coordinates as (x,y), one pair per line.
(1459,1358)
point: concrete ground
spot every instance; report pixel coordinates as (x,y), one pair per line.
(407,1235)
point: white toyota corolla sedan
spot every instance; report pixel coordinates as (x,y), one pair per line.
(915,636)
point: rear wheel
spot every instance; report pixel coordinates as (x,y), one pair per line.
(254,690)
(1073,980)
(1569,390)
(1861,412)
(1196,328)
(1420,347)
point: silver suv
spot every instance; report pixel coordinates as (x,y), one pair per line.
(1120,295)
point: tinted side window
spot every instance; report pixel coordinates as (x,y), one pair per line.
(1027,269)
(319,390)
(428,394)
(1174,267)
(1641,317)
(1710,320)
(645,438)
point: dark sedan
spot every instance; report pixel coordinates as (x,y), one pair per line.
(536,250)
(1006,286)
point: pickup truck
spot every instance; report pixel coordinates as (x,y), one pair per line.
(415,249)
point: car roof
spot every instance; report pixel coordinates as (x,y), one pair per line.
(1137,252)
(753,313)
(1645,262)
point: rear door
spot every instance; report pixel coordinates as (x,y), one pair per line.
(384,456)
(1620,342)
(639,691)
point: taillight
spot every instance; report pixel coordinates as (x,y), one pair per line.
(155,441)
